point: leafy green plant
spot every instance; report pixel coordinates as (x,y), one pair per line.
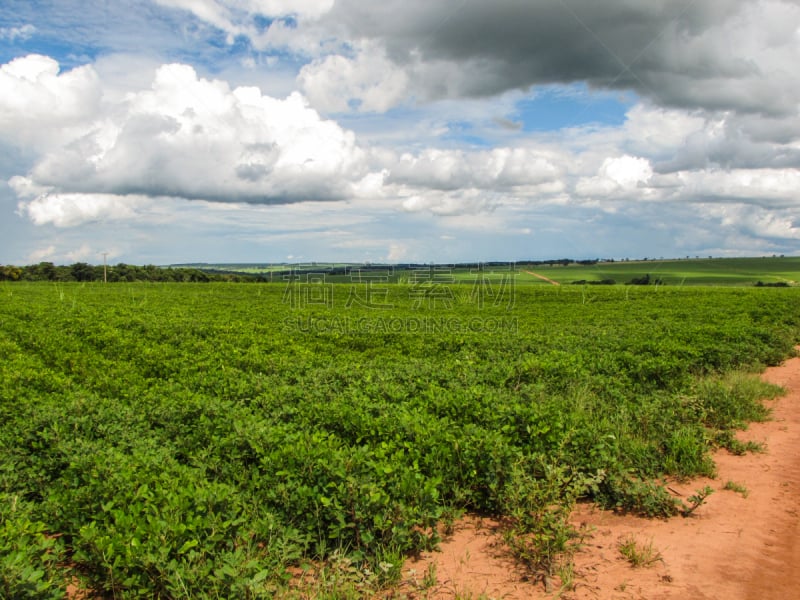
(626,493)
(194,440)
(538,500)
(696,500)
(29,556)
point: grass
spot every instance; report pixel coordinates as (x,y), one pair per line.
(429,579)
(467,595)
(639,554)
(343,578)
(737,487)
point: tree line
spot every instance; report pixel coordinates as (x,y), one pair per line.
(81,271)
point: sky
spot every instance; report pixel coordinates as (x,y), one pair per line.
(182,131)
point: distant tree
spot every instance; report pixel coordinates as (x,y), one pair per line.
(10,273)
(772,284)
(594,282)
(81,271)
(44,270)
(646,280)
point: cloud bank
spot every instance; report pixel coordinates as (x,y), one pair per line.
(415,112)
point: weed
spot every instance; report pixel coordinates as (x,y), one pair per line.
(639,554)
(696,500)
(728,440)
(731,400)
(687,452)
(467,595)
(737,487)
(628,494)
(339,578)
(566,573)
(429,579)
(388,566)
(450,515)
(539,499)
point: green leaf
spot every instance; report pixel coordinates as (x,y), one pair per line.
(187,545)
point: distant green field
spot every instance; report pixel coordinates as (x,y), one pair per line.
(713,271)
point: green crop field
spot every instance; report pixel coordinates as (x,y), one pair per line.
(215,440)
(689,271)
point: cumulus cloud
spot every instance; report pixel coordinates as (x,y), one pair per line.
(40,107)
(766,188)
(618,176)
(368,82)
(185,137)
(500,168)
(452,203)
(750,221)
(715,56)
(68,210)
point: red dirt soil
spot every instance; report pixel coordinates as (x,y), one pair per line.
(731,547)
(543,278)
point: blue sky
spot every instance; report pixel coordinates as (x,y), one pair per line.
(163,131)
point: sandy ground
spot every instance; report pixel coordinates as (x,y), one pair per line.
(733,547)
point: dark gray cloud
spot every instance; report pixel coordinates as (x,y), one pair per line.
(710,54)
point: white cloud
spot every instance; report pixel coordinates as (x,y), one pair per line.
(627,171)
(110,153)
(500,168)
(41,107)
(186,136)
(451,204)
(769,188)
(397,252)
(69,210)
(41,254)
(620,177)
(658,132)
(21,33)
(369,82)
(754,221)
(237,17)
(81,254)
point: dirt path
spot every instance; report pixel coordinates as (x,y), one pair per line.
(542,277)
(733,547)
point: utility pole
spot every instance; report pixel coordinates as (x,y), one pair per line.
(105,270)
